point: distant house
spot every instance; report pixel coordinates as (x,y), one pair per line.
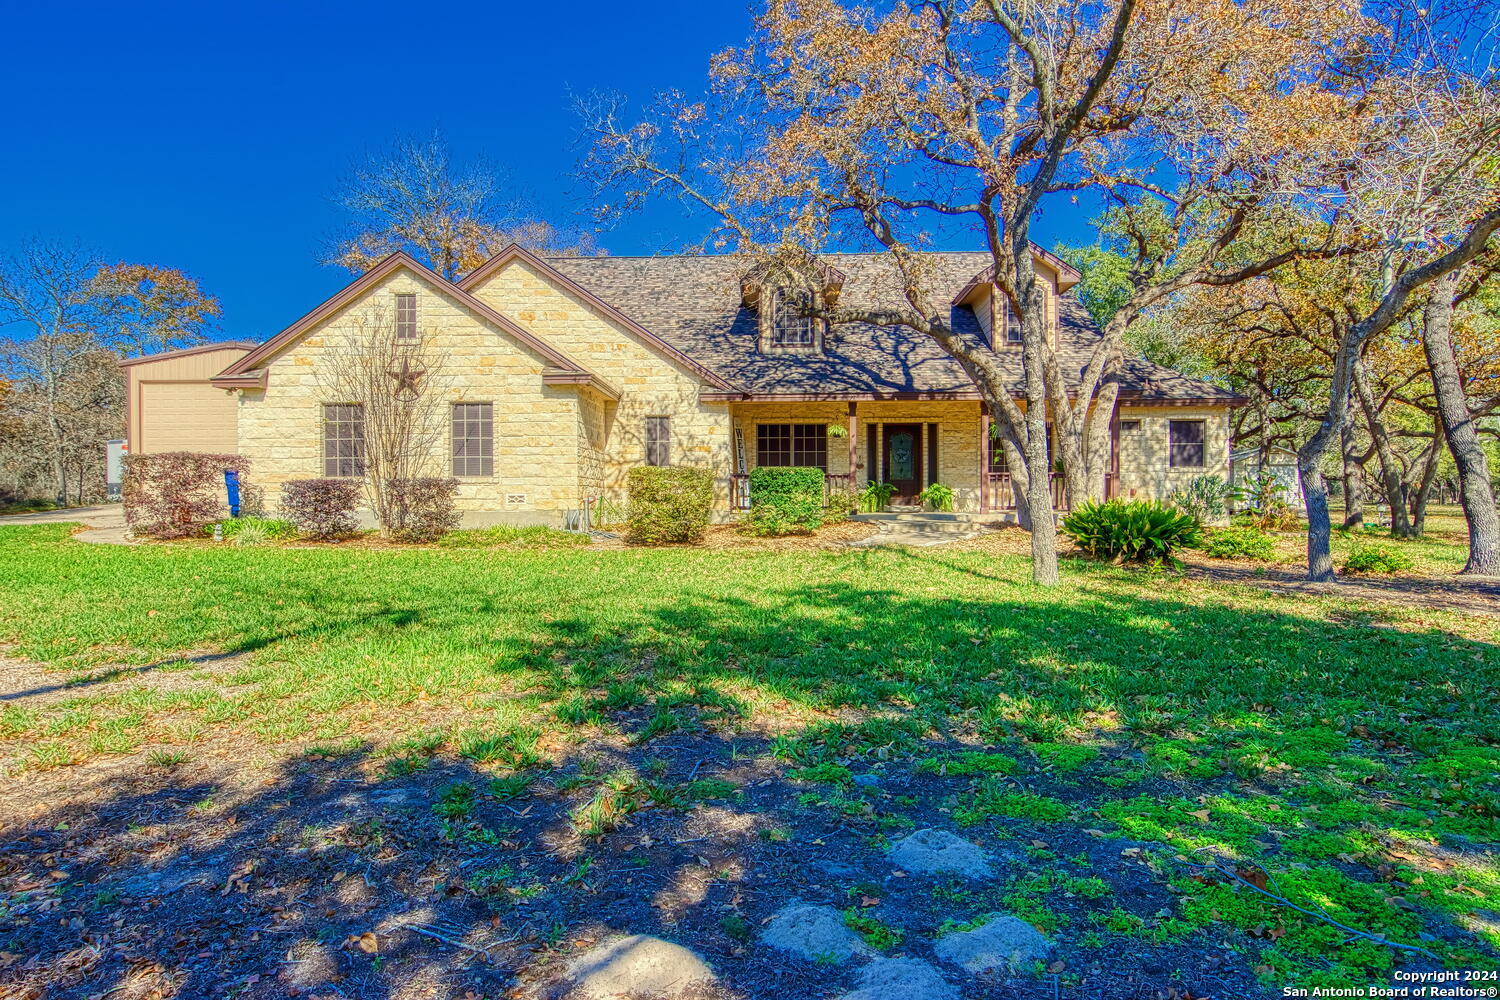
(564,373)
(1246,465)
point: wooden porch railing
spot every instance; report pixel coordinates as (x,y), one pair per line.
(739,488)
(1000,490)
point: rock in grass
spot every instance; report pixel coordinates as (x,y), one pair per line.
(1002,941)
(901,979)
(928,852)
(638,964)
(816,933)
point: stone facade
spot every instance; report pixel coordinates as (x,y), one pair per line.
(538,428)
(560,446)
(1145,452)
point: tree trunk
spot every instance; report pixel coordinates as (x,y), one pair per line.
(1429,478)
(1099,440)
(1310,458)
(1390,471)
(1014,462)
(1354,482)
(1476,494)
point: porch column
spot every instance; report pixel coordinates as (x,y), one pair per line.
(853,448)
(984,458)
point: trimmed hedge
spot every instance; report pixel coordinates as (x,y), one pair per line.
(786,500)
(322,508)
(668,503)
(175,494)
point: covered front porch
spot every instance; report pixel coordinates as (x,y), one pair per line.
(909,443)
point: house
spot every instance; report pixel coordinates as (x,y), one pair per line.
(561,374)
(1246,465)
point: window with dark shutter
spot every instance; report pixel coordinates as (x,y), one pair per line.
(343,440)
(473,439)
(406,317)
(658,440)
(792,444)
(1186,444)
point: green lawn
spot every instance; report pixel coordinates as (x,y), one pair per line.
(1350,750)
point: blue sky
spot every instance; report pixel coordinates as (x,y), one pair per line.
(210,136)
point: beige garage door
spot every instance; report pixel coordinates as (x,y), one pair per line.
(187,416)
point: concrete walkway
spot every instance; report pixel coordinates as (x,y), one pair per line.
(103,525)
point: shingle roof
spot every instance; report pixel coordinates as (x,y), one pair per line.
(694,303)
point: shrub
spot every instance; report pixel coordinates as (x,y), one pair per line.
(1205,498)
(1133,529)
(1269,511)
(321,508)
(1377,559)
(176,493)
(875,496)
(669,503)
(422,508)
(937,496)
(252,534)
(841,503)
(267,529)
(787,516)
(1240,543)
(785,501)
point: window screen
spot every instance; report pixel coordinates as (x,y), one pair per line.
(1186,449)
(790,326)
(473,439)
(343,439)
(658,440)
(406,317)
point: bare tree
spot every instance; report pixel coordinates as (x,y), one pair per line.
(48,289)
(74,317)
(415,198)
(399,386)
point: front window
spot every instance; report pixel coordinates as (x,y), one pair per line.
(343,440)
(791,326)
(792,445)
(1186,451)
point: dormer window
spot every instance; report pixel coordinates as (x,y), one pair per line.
(790,325)
(787,292)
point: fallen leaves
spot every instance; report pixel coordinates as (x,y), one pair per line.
(368,942)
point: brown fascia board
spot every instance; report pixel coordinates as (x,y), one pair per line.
(957,395)
(245,380)
(182,352)
(517,252)
(600,385)
(373,276)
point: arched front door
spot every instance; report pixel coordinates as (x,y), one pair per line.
(903,460)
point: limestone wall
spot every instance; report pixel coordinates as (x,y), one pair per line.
(1145,469)
(537,438)
(650,384)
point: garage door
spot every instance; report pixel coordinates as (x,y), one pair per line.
(187,416)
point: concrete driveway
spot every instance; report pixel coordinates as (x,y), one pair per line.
(102,524)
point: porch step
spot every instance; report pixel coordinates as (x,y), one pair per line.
(929,522)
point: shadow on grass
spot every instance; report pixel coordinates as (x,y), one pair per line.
(204,882)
